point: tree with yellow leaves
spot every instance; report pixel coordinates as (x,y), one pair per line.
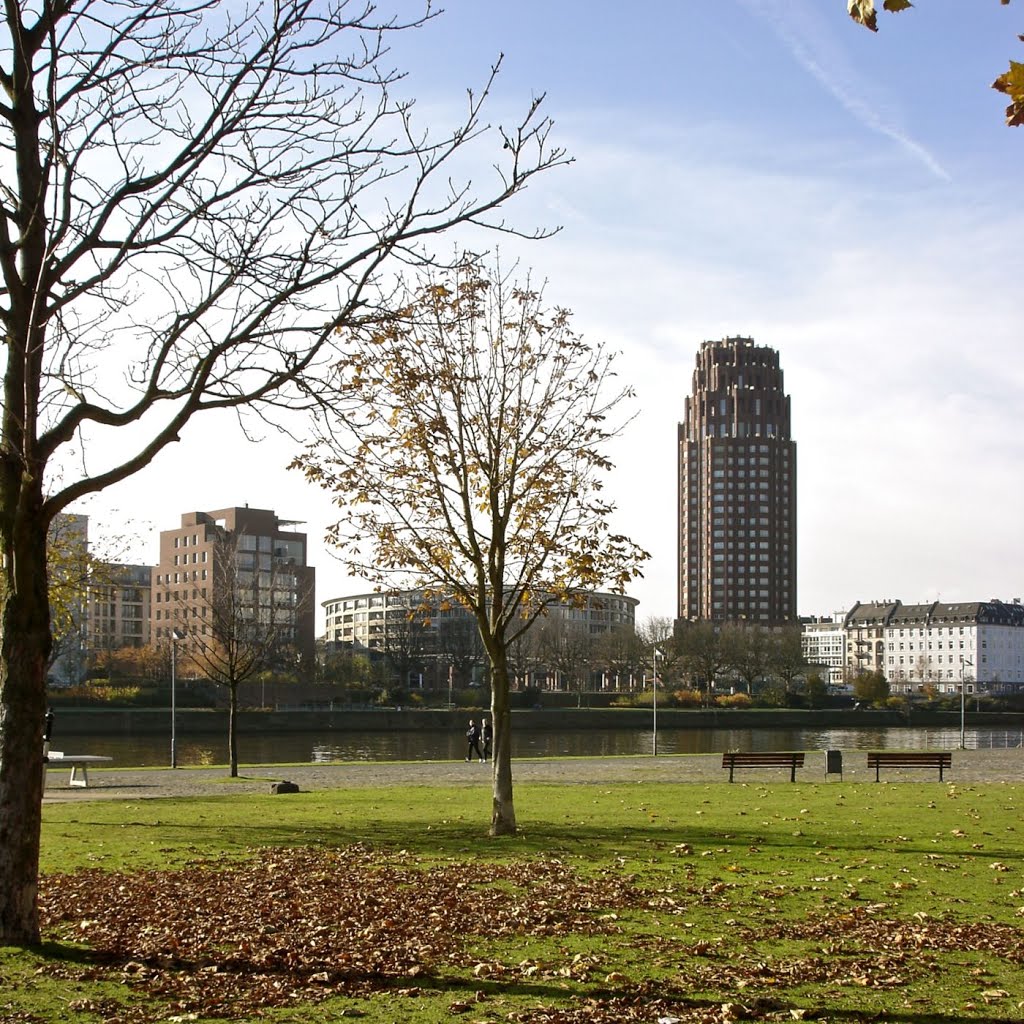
(464,443)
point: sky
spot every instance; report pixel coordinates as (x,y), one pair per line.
(764,168)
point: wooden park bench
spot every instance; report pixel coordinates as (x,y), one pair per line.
(792,760)
(941,759)
(79,765)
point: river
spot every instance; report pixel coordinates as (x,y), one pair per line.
(434,745)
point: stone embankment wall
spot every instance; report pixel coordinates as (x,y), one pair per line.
(143,721)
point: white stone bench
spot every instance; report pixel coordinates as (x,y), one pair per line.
(79,765)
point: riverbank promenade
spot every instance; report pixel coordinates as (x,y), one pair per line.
(969,766)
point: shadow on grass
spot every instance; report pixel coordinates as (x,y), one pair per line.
(551,995)
(669,1000)
(440,838)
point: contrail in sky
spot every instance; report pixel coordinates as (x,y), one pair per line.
(813,47)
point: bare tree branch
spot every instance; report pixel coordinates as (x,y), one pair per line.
(195,197)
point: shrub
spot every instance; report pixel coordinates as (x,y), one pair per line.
(688,698)
(734,700)
(100,694)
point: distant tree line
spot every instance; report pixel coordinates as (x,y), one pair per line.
(560,654)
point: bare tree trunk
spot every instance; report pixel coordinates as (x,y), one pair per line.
(24,655)
(503,813)
(233,730)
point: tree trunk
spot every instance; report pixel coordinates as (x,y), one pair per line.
(24,655)
(503,813)
(233,729)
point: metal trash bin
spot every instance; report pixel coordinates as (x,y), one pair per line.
(834,763)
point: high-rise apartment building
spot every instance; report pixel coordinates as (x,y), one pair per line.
(737,489)
(247,550)
(118,610)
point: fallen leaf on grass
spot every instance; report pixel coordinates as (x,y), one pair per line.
(991,995)
(297,926)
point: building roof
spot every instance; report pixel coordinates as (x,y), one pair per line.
(872,613)
(910,614)
(895,614)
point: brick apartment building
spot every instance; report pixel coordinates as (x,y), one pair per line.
(268,562)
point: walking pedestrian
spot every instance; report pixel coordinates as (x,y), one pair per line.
(473,736)
(487,736)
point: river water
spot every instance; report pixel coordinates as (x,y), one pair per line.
(437,745)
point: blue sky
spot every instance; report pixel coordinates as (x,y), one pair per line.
(767,168)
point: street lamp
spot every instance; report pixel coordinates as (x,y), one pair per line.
(176,635)
(963,690)
(654,703)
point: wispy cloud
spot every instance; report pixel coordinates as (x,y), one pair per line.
(813,46)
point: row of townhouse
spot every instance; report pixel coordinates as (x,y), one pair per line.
(917,647)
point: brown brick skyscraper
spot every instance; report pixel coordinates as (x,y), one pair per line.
(737,489)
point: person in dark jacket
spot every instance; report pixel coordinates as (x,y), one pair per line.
(473,736)
(487,738)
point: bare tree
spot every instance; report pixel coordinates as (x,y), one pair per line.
(567,649)
(657,632)
(458,645)
(787,660)
(245,624)
(748,649)
(622,655)
(194,197)
(466,457)
(523,658)
(703,653)
(405,642)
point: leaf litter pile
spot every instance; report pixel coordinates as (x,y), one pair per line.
(297,926)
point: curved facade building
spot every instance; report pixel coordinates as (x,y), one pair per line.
(737,489)
(367,620)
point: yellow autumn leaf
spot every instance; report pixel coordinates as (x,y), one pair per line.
(1012,84)
(863,11)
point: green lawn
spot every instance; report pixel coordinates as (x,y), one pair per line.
(615,903)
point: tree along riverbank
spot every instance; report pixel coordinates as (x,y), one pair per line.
(197,722)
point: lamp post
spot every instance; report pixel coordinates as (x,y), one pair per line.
(963,691)
(176,635)
(654,702)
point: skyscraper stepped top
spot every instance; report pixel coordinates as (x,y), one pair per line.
(737,489)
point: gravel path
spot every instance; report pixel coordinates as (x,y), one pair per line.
(144,783)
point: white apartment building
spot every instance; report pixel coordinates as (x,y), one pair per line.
(824,644)
(978,644)
(920,648)
(864,625)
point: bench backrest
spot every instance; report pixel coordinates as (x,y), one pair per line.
(763,756)
(929,757)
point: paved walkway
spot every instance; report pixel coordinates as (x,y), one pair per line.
(143,783)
